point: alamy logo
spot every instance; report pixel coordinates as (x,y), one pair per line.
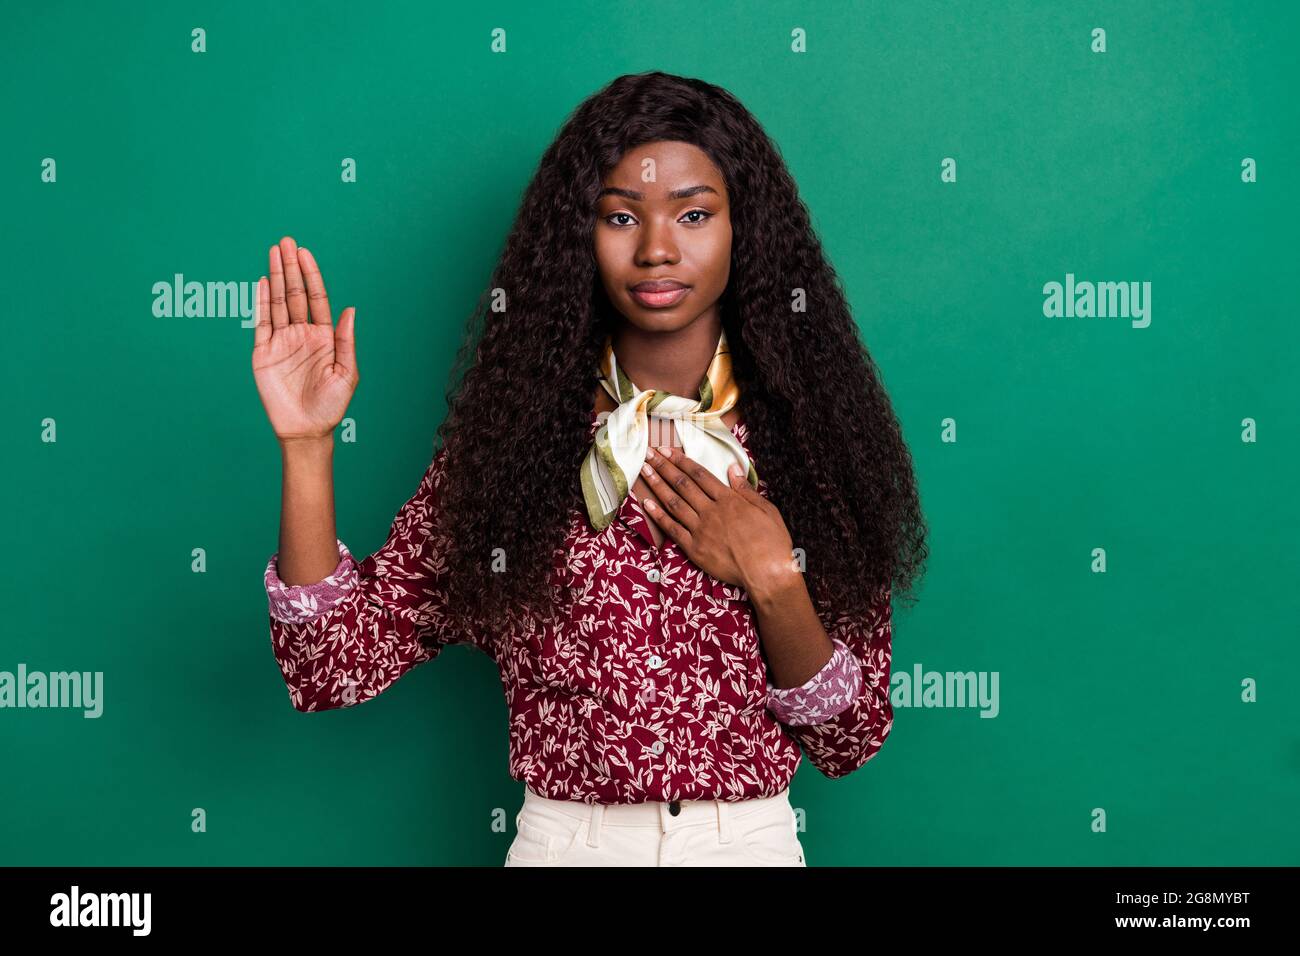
(213,300)
(922,688)
(55,689)
(102,909)
(1099,300)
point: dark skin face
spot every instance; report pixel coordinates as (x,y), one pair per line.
(666,214)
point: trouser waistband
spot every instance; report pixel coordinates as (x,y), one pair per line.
(660,814)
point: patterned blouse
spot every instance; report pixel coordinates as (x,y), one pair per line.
(648,682)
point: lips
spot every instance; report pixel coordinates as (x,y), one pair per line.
(659,285)
(660,293)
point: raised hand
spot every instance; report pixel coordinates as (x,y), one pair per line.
(306,371)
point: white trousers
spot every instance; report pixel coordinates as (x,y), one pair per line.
(761,831)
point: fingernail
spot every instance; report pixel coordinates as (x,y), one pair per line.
(647,470)
(734,471)
(650,453)
(648,503)
(666,451)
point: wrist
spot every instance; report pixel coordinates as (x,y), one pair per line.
(307,447)
(776,586)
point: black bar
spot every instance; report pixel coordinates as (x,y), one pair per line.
(335,905)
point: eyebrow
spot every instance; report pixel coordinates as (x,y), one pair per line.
(675,194)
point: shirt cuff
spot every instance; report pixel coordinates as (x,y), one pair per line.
(831,691)
(301,603)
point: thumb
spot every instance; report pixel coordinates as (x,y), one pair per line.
(739,482)
(345,342)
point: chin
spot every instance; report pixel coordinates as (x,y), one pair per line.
(656,320)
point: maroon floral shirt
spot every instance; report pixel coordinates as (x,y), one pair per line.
(648,684)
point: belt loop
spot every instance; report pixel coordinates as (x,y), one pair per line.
(593,827)
(724,822)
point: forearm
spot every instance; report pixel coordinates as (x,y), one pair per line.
(344,637)
(308,550)
(794,641)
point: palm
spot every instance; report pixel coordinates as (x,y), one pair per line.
(305,370)
(295,377)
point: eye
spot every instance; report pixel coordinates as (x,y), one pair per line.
(704,213)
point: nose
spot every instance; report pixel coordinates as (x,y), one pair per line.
(656,244)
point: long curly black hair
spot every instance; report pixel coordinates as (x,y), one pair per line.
(522,390)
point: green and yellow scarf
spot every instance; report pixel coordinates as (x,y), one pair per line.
(619,447)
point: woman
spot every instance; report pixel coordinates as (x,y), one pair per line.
(672,500)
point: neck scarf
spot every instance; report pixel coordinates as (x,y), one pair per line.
(619,448)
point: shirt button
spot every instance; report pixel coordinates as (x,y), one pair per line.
(675,807)
(656,661)
(652,575)
(657,747)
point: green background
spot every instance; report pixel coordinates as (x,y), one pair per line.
(1118,690)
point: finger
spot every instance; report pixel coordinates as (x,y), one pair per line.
(295,293)
(279,313)
(262,327)
(675,481)
(345,342)
(665,521)
(657,489)
(698,474)
(675,504)
(740,484)
(317,301)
